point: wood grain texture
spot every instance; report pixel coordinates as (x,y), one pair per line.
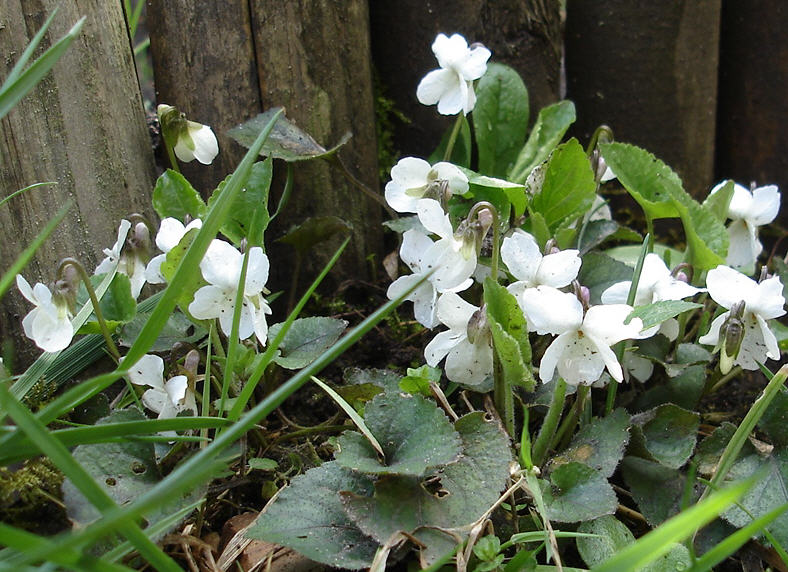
(223,63)
(752,140)
(649,71)
(83,127)
(526,35)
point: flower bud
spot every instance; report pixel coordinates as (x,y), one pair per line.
(65,288)
(583,294)
(478,326)
(731,335)
(188,139)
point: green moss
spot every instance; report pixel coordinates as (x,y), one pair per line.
(30,497)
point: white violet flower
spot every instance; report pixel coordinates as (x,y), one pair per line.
(451,86)
(49,323)
(221,268)
(190,140)
(748,210)
(170,234)
(656,284)
(525,261)
(581,352)
(466,345)
(129,263)
(165,398)
(413,178)
(762,302)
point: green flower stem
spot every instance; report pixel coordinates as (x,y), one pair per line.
(170,152)
(113,349)
(496,228)
(453,137)
(647,247)
(602,134)
(565,431)
(525,442)
(547,432)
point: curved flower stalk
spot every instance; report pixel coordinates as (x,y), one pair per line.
(467,345)
(131,261)
(451,86)
(522,257)
(168,398)
(221,268)
(413,179)
(581,352)
(448,259)
(753,342)
(655,285)
(748,210)
(170,234)
(189,140)
(49,323)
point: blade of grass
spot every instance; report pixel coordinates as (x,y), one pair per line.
(232,341)
(355,417)
(81,479)
(24,448)
(9,276)
(733,542)
(659,541)
(200,466)
(273,345)
(23,541)
(190,263)
(11,92)
(25,189)
(746,427)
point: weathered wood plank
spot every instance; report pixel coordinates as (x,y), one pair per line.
(82,127)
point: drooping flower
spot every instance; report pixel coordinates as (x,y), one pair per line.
(451,86)
(49,323)
(131,260)
(190,140)
(221,268)
(413,179)
(170,234)
(764,301)
(525,261)
(165,398)
(748,210)
(581,352)
(467,344)
(450,262)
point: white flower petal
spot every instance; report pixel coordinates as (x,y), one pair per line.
(609,358)
(617,293)
(211,301)
(469,364)
(414,245)
(435,85)
(743,244)
(606,323)
(170,233)
(458,182)
(553,354)
(522,256)
(454,311)
(149,370)
(741,201)
(765,205)
(767,299)
(450,51)
(25,289)
(475,65)
(153,270)
(727,286)
(440,346)
(550,311)
(256,271)
(221,265)
(454,98)
(434,219)
(712,337)
(559,269)
(206,147)
(157,400)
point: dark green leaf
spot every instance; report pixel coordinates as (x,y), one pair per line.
(383,378)
(308,517)
(457,496)
(262,464)
(658,312)
(418,380)
(552,123)
(173,196)
(600,444)
(657,489)
(595,233)
(286,141)
(306,339)
(515,192)
(775,420)
(178,329)
(612,537)
(578,493)
(500,119)
(313,231)
(251,203)
(665,434)
(415,434)
(599,271)
(568,189)
(117,304)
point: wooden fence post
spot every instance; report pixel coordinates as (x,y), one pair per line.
(82,127)
(223,63)
(752,137)
(649,70)
(526,35)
